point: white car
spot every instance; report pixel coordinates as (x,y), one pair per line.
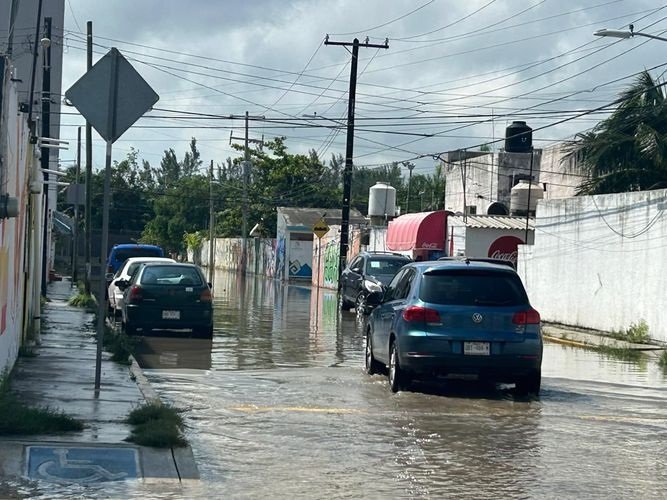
(125,273)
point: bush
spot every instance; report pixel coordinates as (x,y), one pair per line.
(83,300)
(157,425)
(119,345)
(638,333)
(663,360)
(20,419)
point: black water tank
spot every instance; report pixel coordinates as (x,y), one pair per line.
(518,138)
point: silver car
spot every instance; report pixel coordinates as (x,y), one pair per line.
(125,273)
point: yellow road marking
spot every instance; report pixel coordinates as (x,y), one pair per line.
(298,409)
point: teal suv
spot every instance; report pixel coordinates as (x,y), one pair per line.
(455,318)
(166,296)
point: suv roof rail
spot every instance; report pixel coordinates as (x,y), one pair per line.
(467,260)
(384,252)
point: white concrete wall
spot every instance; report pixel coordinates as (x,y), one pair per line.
(600,261)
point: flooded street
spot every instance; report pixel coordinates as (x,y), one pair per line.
(279,406)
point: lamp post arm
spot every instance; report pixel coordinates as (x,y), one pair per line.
(655,37)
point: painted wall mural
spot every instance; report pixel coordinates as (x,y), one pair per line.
(300,259)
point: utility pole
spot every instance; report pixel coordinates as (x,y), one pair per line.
(349,149)
(246,164)
(45,156)
(89,165)
(530,189)
(410,167)
(211,225)
(75,236)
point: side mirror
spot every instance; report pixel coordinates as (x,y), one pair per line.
(122,284)
(375,298)
(108,276)
(210,285)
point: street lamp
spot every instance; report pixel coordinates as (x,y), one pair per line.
(627,34)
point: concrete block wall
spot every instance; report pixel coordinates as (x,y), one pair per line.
(600,261)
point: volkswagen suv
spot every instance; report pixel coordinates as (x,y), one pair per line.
(452,318)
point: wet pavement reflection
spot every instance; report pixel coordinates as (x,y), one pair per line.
(278,405)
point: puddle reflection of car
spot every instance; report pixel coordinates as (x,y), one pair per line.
(367,274)
(164,296)
(456,318)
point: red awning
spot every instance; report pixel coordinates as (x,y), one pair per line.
(420,231)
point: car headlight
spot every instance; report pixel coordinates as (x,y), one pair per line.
(372,286)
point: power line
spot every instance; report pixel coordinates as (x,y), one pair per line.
(386,23)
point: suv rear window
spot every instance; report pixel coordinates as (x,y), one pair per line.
(124,254)
(468,288)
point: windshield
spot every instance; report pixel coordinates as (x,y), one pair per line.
(384,267)
(123,255)
(468,288)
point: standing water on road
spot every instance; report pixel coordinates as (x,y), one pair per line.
(280,406)
(277,405)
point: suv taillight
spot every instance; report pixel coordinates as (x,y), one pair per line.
(529,317)
(206,295)
(136,294)
(422,314)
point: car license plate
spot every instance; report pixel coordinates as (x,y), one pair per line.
(171,314)
(476,348)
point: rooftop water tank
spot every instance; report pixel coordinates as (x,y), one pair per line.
(518,138)
(381,201)
(520,194)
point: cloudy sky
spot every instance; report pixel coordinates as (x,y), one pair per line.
(454,76)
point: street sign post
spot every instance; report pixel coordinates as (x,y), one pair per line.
(111,96)
(320,228)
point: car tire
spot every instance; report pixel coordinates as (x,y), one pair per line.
(530,384)
(398,379)
(371,365)
(360,306)
(205,332)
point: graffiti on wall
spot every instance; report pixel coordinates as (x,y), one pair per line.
(331,253)
(229,251)
(300,259)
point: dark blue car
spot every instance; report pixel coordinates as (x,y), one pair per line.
(452,318)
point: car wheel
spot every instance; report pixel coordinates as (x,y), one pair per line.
(205,332)
(360,305)
(371,364)
(530,384)
(398,379)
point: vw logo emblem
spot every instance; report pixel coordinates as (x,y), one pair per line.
(477,318)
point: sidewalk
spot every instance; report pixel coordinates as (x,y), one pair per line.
(62,376)
(580,337)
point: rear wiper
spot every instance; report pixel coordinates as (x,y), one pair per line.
(482,302)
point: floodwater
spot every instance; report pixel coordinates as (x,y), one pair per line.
(277,405)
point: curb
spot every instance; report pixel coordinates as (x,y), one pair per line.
(573,343)
(149,394)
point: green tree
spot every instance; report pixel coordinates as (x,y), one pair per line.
(628,150)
